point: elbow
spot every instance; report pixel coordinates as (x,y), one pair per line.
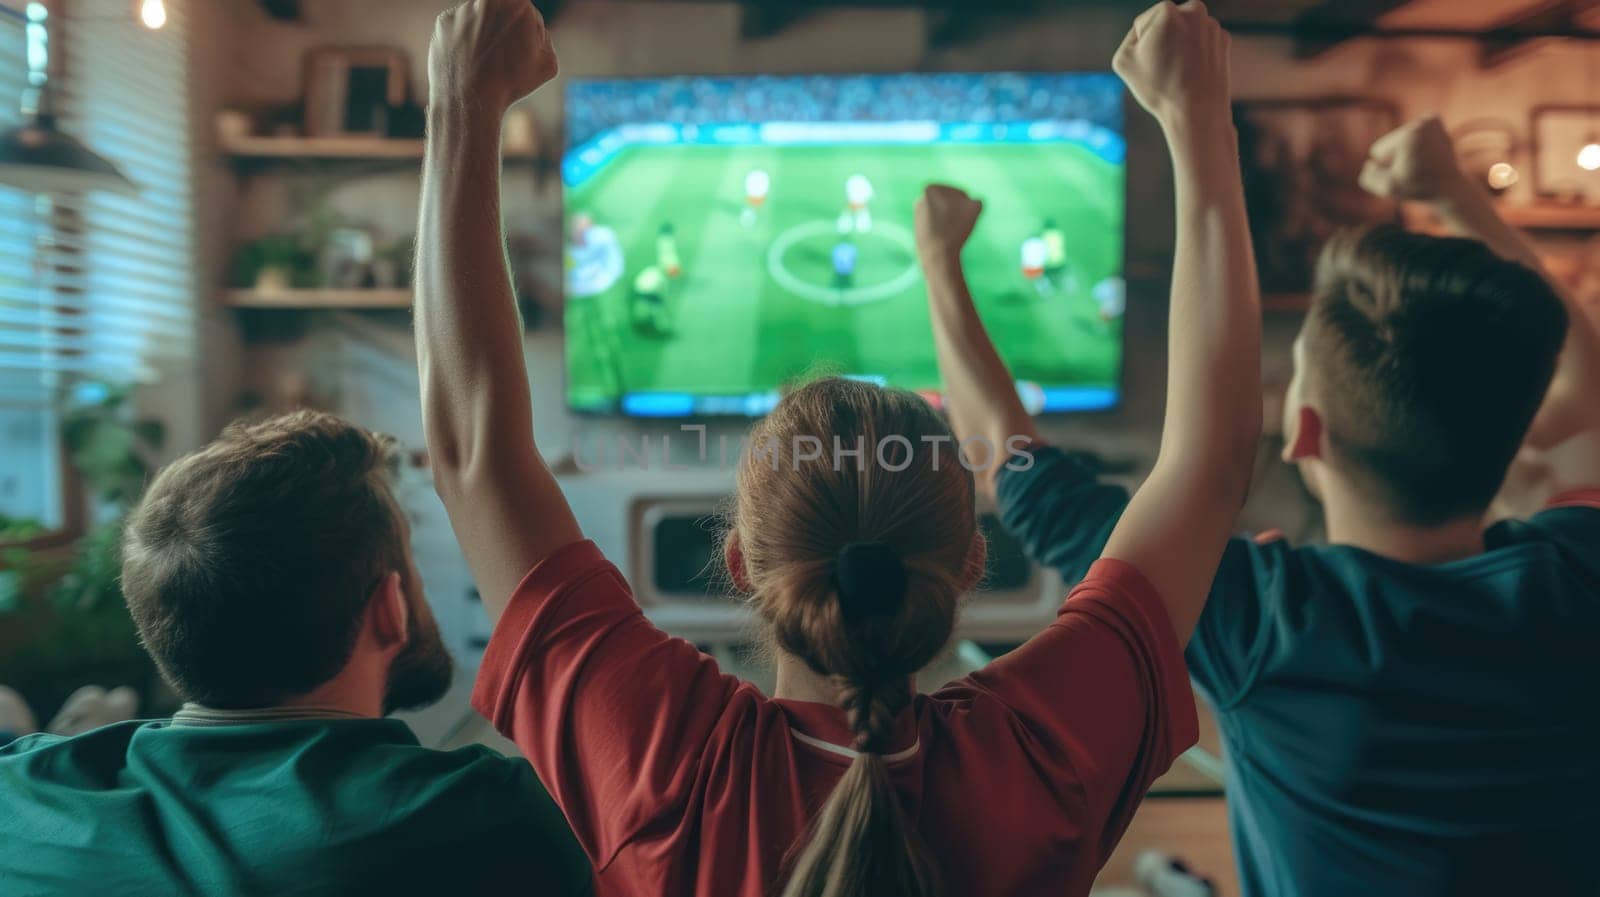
(450,447)
(457,475)
(448,464)
(1225,463)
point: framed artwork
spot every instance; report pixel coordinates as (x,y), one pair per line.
(1302,160)
(1563,169)
(351,90)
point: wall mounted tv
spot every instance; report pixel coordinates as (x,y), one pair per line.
(727,235)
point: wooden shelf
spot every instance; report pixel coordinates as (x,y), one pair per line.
(353,147)
(1552,217)
(318,298)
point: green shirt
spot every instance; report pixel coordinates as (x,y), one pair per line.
(303,807)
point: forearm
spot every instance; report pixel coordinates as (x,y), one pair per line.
(1060,510)
(980,391)
(1467,212)
(1213,412)
(1569,408)
(475,393)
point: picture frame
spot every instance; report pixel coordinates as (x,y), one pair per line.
(1557,132)
(1302,159)
(351,90)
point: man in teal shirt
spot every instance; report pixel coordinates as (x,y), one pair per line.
(271,578)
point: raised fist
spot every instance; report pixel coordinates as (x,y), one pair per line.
(488,54)
(1175,62)
(945,217)
(1414,161)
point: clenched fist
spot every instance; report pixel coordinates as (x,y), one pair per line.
(1415,161)
(488,54)
(945,217)
(1175,62)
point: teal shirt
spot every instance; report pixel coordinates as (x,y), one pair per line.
(313,807)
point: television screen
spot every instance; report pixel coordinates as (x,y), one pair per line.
(725,236)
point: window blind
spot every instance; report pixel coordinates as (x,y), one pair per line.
(28,321)
(100,286)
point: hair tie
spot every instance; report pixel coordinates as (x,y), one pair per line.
(870,579)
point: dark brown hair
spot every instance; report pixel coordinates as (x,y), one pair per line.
(248,564)
(1428,358)
(857,563)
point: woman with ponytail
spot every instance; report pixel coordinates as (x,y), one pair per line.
(854,536)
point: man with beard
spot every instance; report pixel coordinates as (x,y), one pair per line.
(271,579)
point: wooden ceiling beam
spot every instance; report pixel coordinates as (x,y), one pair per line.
(1516,36)
(1332,22)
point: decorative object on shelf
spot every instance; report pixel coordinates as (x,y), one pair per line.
(36,155)
(276,263)
(1566,153)
(393,266)
(233,125)
(408,121)
(1302,160)
(352,90)
(1490,153)
(347,257)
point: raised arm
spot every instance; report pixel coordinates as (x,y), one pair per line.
(507,511)
(1175,62)
(980,395)
(1417,163)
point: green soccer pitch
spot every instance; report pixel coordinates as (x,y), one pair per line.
(756,307)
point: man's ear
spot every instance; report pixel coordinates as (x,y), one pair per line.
(389,613)
(977,562)
(733,557)
(1305,442)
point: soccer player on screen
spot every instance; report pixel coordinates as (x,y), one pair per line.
(650,301)
(667,251)
(1034,256)
(844,265)
(756,186)
(858,194)
(1055,260)
(1111,295)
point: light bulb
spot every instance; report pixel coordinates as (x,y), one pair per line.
(153,13)
(1589,157)
(1502,175)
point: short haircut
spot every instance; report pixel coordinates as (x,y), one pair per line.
(248,564)
(1428,358)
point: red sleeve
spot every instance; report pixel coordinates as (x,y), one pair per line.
(1103,694)
(612,712)
(1576,498)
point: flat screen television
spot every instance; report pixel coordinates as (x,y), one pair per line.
(728,235)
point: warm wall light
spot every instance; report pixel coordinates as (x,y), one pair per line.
(1502,175)
(1589,157)
(153,13)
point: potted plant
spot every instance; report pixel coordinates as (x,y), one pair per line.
(63,622)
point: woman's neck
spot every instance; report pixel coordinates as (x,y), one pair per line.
(798,682)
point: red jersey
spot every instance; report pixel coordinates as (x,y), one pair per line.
(679,779)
